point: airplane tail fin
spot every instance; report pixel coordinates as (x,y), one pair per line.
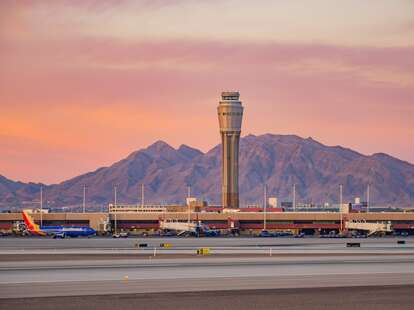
(30,224)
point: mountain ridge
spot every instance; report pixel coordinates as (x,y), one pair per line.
(277,160)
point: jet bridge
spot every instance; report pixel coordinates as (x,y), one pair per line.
(370,228)
(179,227)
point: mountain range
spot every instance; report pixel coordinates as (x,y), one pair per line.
(279,161)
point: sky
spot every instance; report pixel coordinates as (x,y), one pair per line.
(85,83)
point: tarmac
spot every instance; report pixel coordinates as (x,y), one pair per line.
(125,243)
(38,270)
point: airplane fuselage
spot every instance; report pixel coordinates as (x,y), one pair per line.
(63,231)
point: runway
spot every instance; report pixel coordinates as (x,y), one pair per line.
(127,243)
(172,275)
(25,246)
(101,267)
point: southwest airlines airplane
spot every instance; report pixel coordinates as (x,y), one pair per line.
(56,231)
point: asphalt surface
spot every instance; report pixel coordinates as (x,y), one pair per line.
(187,246)
(35,271)
(110,243)
(89,277)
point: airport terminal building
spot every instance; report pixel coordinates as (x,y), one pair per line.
(246,223)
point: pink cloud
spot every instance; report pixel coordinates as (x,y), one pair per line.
(358,97)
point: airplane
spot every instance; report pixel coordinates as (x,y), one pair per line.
(56,231)
(204,230)
(187,228)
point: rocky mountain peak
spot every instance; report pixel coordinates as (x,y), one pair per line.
(276,160)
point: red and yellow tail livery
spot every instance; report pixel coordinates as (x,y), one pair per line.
(31,226)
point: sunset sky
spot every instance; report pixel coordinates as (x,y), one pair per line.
(85,83)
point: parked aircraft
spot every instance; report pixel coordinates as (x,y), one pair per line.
(56,231)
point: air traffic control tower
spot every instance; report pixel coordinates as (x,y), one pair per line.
(230,114)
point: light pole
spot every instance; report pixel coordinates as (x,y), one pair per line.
(340,207)
(142,195)
(84,198)
(368,189)
(294,198)
(41,205)
(264,206)
(188,204)
(115,204)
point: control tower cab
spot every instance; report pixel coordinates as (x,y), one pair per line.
(230,114)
